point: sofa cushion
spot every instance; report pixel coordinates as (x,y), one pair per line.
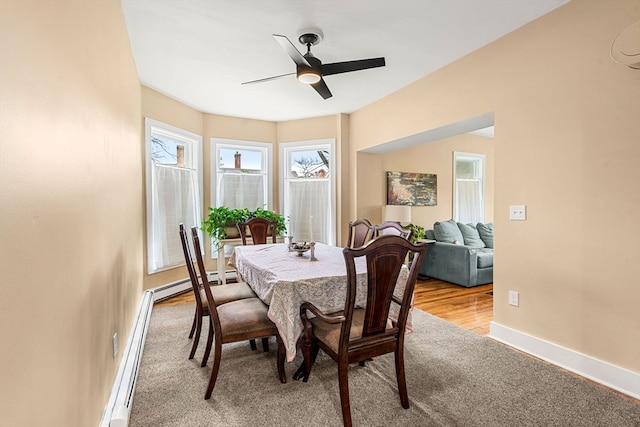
(429,234)
(486,233)
(471,235)
(447,231)
(485,258)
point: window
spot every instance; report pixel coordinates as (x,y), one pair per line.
(174,191)
(468,189)
(242,174)
(308,184)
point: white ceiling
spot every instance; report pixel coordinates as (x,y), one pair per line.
(199,52)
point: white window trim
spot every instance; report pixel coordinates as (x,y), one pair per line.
(268,160)
(195,158)
(286,148)
(475,156)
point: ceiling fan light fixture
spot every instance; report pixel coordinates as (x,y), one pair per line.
(308,77)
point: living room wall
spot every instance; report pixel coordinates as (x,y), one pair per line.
(567,147)
(436,157)
(71,243)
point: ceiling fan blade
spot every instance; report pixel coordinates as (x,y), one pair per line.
(345,67)
(266,79)
(322,89)
(291,50)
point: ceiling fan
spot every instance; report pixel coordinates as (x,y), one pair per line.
(310,69)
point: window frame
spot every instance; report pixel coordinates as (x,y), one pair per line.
(285,159)
(267,161)
(480,160)
(192,159)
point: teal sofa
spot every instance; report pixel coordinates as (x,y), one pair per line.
(462,253)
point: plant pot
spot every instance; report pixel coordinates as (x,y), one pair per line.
(232,232)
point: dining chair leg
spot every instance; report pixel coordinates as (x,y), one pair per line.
(193,325)
(207,350)
(196,339)
(309,352)
(343,382)
(265,344)
(280,360)
(214,369)
(400,375)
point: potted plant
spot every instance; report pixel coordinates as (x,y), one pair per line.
(417,233)
(221,223)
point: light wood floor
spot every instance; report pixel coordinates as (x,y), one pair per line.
(469,308)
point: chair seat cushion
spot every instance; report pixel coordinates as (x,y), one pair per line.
(245,317)
(330,333)
(223,294)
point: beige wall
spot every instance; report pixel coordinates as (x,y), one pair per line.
(70,230)
(72,187)
(436,157)
(566,145)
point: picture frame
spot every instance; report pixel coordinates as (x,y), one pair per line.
(413,189)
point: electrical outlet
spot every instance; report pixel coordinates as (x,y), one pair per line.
(517,213)
(514,298)
(115,344)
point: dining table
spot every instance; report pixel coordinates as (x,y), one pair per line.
(285,278)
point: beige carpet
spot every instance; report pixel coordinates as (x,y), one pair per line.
(455,378)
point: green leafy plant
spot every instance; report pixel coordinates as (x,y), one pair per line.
(222,218)
(417,232)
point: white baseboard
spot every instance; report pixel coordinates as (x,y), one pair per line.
(116,413)
(617,378)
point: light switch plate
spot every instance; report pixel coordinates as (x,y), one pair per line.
(517,212)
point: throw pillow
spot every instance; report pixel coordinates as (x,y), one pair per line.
(471,235)
(486,233)
(447,231)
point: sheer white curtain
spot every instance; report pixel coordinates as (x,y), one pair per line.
(175,199)
(241,191)
(469,202)
(310,214)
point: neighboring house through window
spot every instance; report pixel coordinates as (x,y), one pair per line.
(174,191)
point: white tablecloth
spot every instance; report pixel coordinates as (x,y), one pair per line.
(284,280)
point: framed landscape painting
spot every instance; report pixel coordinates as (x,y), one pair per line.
(413,189)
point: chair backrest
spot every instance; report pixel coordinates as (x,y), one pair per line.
(203,273)
(384,259)
(391,228)
(360,232)
(260,229)
(193,275)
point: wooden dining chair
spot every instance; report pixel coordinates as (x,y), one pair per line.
(235,321)
(360,232)
(393,228)
(260,229)
(223,294)
(357,334)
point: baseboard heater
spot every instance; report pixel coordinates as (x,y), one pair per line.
(118,409)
